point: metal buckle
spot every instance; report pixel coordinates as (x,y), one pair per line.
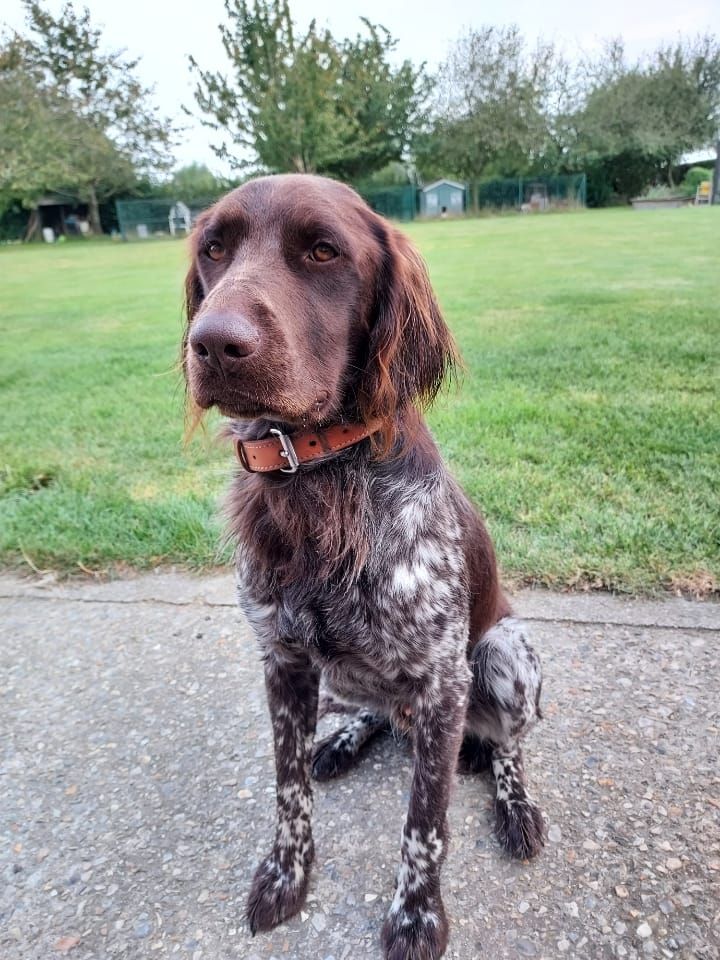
(288,451)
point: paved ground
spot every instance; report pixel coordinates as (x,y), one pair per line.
(136,788)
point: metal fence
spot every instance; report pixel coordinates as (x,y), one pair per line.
(397,203)
(142,219)
(529,194)
(526,194)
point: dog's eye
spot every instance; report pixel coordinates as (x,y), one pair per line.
(215,250)
(323,252)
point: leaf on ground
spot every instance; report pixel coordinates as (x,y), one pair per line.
(66,944)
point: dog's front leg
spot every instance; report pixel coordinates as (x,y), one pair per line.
(280,884)
(416,927)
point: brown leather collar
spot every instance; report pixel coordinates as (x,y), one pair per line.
(286,452)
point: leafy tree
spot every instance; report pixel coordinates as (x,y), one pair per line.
(114,132)
(309,103)
(503,110)
(197,183)
(490,110)
(636,120)
(394,174)
(34,148)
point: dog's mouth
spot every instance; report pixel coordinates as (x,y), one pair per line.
(242,405)
(283,409)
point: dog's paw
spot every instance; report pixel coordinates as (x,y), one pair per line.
(415,934)
(520,828)
(333,756)
(275,895)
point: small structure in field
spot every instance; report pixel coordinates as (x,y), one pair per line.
(442,198)
(179,218)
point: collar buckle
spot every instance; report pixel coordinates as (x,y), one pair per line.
(288,451)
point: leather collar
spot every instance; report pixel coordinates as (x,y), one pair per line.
(285,452)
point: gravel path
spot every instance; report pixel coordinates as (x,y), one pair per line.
(136,780)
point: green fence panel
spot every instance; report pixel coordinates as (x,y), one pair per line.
(142,219)
(397,203)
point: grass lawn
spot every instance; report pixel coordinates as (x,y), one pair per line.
(587,426)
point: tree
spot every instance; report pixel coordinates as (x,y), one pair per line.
(110,128)
(194,184)
(307,104)
(33,144)
(636,120)
(490,110)
(503,110)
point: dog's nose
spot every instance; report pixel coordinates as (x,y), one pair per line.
(221,340)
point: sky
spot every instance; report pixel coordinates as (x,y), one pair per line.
(162,34)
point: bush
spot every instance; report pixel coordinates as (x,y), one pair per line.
(693,178)
(661,191)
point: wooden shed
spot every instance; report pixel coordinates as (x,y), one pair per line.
(442,198)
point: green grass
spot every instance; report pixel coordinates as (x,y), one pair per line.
(587,425)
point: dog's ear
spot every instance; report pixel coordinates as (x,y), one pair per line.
(411,350)
(194,293)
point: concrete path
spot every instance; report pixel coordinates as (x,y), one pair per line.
(136,788)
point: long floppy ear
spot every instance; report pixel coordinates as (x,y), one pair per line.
(193,292)
(194,295)
(411,350)
(193,286)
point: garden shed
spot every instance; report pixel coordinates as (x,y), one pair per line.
(442,198)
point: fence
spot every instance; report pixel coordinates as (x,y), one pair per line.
(530,193)
(397,203)
(517,193)
(141,219)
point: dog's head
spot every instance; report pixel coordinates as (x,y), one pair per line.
(304,305)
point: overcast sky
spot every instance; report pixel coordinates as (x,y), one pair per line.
(164,33)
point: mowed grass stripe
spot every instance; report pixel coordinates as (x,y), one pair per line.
(586,425)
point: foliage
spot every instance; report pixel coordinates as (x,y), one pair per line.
(394,174)
(502,109)
(309,103)
(78,117)
(693,178)
(637,119)
(661,191)
(490,112)
(39,130)
(194,183)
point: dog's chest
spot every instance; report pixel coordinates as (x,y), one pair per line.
(378,632)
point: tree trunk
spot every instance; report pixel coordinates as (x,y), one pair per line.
(33,226)
(715,189)
(94,212)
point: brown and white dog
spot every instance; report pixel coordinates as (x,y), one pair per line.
(311,323)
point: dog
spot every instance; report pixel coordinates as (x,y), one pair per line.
(312,326)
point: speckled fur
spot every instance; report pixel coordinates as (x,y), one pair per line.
(395,638)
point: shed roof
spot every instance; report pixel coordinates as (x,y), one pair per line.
(437,183)
(57,199)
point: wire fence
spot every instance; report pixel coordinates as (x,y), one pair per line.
(397,203)
(529,194)
(143,219)
(524,194)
